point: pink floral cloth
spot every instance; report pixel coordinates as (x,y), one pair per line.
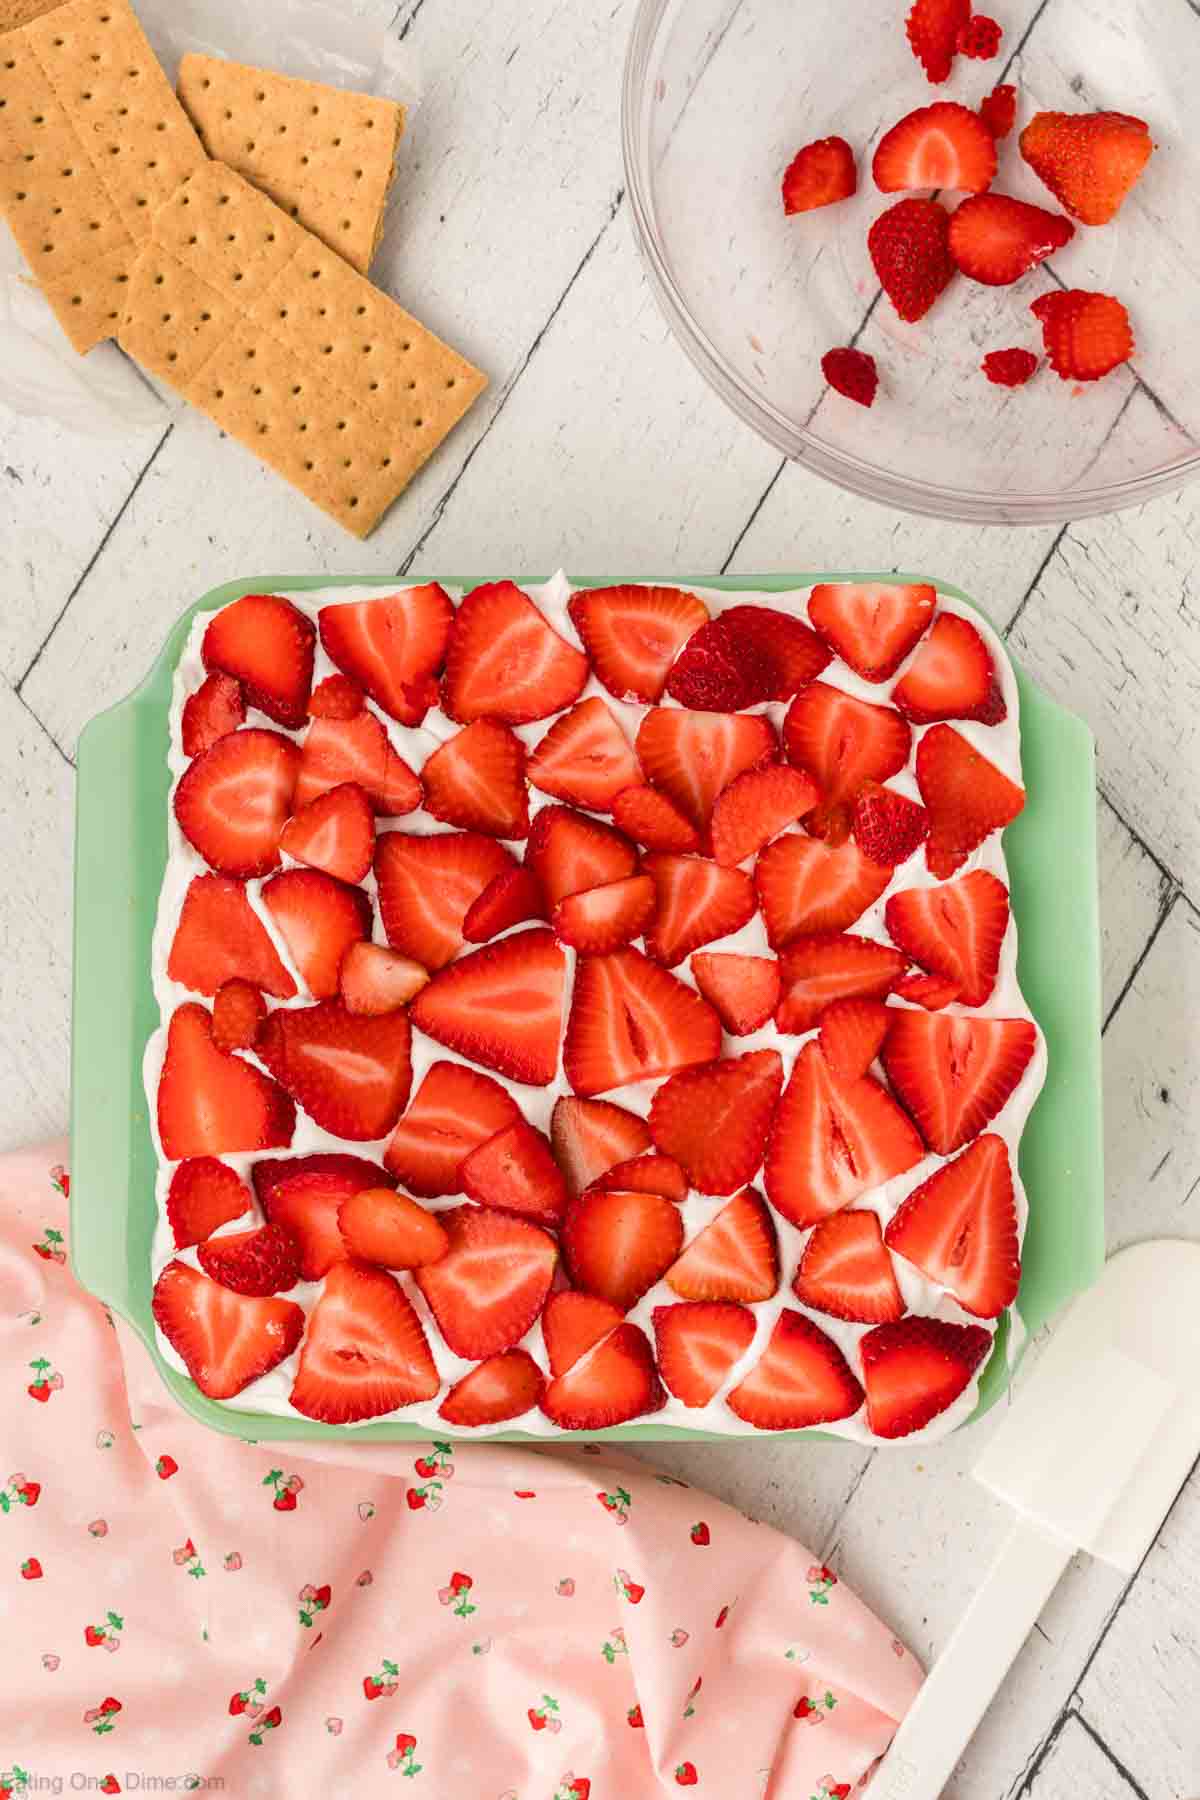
(459,1622)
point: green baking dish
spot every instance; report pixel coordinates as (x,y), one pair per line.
(120,855)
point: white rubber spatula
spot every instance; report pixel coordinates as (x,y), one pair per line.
(1099,1440)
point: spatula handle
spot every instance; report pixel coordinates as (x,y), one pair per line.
(962,1683)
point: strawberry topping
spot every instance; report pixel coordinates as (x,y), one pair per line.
(357,749)
(572,1324)
(392,647)
(816,970)
(220,937)
(888,827)
(380,1226)
(852,1035)
(203,1194)
(604,918)
(952,676)
(373,979)
(736,1257)
(503,1387)
(500,1006)
(698,1344)
(335,832)
(806,887)
(238,1011)
(490,1286)
(966,795)
(915,1369)
(714,1120)
(693,756)
(213,711)
(427,886)
(570,853)
(585,758)
(453,1111)
(513,897)
(954,930)
(960,1229)
(267,644)
(364,1353)
(616,1383)
(649,818)
(227,1340)
(801,1379)
(350,1074)
(212,1103)
(631,1021)
(955,1073)
(232,802)
(592,1136)
(872,625)
(697,901)
(846,1272)
(263,1261)
(516,1172)
(618,1245)
(633,635)
(318,918)
(506,662)
(743,989)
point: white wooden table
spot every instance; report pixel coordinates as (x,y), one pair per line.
(599,449)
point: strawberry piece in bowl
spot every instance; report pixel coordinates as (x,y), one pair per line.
(1090,161)
(820,174)
(933,28)
(940,146)
(995,240)
(852,373)
(910,250)
(1086,336)
(1010,368)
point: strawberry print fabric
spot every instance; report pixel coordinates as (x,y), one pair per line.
(473,1622)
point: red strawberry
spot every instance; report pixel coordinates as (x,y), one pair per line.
(212,712)
(31,1568)
(852,373)
(350,1074)
(995,240)
(591,1136)
(500,1006)
(915,1369)
(514,897)
(634,1716)
(505,661)
(693,756)
(263,1261)
(829,966)
(238,1011)
(955,1073)
(631,1021)
(303,1193)
(998,110)
(358,750)
(379,1226)
(820,174)
(743,989)
(267,644)
(203,1194)
(585,758)
(954,931)
(967,796)
(428,884)
(933,27)
(373,979)
(232,802)
(834,1140)
(649,818)
(573,1324)
(736,1257)
(604,918)
(747,655)
(617,1383)
(910,251)
(801,1379)
(488,1289)
(392,647)
(337,697)
(852,1034)
(220,937)
(685,1774)
(211,1103)
(842,742)
(940,146)
(651,1174)
(960,1229)
(226,1340)
(873,624)
(476,780)
(503,1387)
(846,1272)
(364,1352)
(318,918)
(888,828)
(569,853)
(696,902)
(335,832)
(714,1120)
(698,1343)
(980,38)
(1086,336)
(515,1171)
(805,886)
(633,635)
(932,992)
(453,1110)
(1009,368)
(619,1245)
(756,807)
(1089,161)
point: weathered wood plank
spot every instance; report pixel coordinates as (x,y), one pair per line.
(1077,1767)
(1133,893)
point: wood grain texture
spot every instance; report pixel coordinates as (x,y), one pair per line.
(1076,1766)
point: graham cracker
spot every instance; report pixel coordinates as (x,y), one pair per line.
(325,156)
(19,12)
(92,141)
(289,349)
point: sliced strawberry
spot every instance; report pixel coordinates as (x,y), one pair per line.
(1086,336)
(940,146)
(693,756)
(238,1011)
(932,992)
(649,818)
(953,1074)
(633,635)
(373,979)
(631,1021)
(227,1340)
(427,886)
(980,38)
(233,800)
(888,827)
(834,1140)
(585,758)
(203,1194)
(952,676)
(954,931)
(503,1387)
(933,27)
(872,625)
(393,647)
(846,1272)
(453,1110)
(263,1261)
(476,780)
(842,742)
(488,1289)
(318,918)
(1089,161)
(604,918)
(960,1229)
(800,1379)
(379,1226)
(337,697)
(736,1257)
(618,1245)
(743,989)
(745,656)
(698,1343)
(359,750)
(267,644)
(996,240)
(852,373)
(364,1353)
(573,1324)
(852,1034)
(1010,368)
(504,660)
(590,1136)
(651,1174)
(819,174)
(501,1006)
(335,832)
(221,938)
(714,1120)
(514,897)
(998,110)
(211,1103)
(350,1074)
(515,1172)
(570,853)
(915,1369)
(618,1382)
(304,1193)
(697,902)
(910,251)
(756,807)
(805,887)
(830,966)
(213,711)
(967,796)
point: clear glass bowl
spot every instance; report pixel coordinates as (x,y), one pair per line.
(718,96)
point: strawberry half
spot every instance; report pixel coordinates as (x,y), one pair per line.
(872,624)
(263,1261)
(233,801)
(693,756)
(995,240)
(714,1120)
(350,1074)
(933,27)
(616,1383)
(392,647)
(515,1172)
(806,887)
(591,1136)
(915,1369)
(834,1140)
(569,853)
(631,1021)
(221,938)
(952,676)
(736,1257)
(211,1103)
(852,373)
(888,827)
(954,1074)
(800,1379)
(304,1193)
(390,1229)
(743,989)
(651,1174)
(227,1340)
(816,971)
(1089,161)
(503,1387)
(335,832)
(819,174)
(488,1289)
(453,1110)
(364,1353)
(505,661)
(966,795)
(649,818)
(604,918)
(373,979)
(476,780)
(318,919)
(357,749)
(585,758)
(954,930)
(203,1194)
(940,146)
(746,655)
(633,635)
(500,1006)
(933,992)
(427,886)
(846,1272)
(1010,368)
(337,697)
(756,807)
(238,1011)
(910,252)
(998,110)
(697,902)
(698,1344)
(1086,336)
(842,742)
(618,1245)
(213,711)
(852,1035)
(960,1229)
(573,1324)
(267,644)
(513,897)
